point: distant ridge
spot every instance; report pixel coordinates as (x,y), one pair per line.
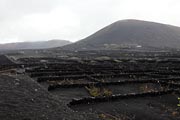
(127,33)
(34,45)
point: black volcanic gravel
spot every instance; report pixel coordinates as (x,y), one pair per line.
(21,98)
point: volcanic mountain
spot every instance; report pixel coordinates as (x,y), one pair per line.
(130,33)
(34,45)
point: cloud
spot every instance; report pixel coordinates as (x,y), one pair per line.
(31,20)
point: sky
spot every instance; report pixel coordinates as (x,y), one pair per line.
(37,20)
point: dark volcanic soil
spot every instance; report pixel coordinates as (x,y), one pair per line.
(118,87)
(142,108)
(21,98)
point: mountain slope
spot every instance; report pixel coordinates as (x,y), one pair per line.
(34,45)
(131,32)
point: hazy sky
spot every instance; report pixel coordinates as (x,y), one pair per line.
(34,20)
